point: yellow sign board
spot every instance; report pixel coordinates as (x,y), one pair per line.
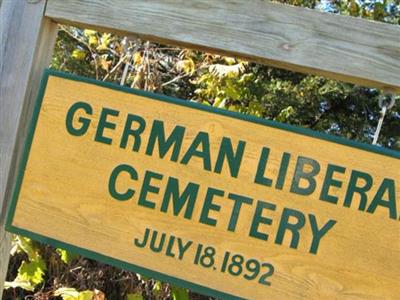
(225,204)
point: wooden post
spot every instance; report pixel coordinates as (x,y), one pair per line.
(26,42)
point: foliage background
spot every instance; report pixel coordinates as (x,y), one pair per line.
(38,271)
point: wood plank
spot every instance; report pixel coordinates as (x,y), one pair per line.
(26,43)
(69,200)
(340,47)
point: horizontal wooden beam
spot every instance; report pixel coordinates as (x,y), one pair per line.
(340,47)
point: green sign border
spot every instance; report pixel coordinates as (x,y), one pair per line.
(174,101)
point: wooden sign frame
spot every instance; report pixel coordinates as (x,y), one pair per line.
(354,50)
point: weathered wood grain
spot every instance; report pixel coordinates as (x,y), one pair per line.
(26,44)
(340,47)
(67,199)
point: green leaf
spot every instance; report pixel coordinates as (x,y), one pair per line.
(26,245)
(86,295)
(224,70)
(66,292)
(136,296)
(219,102)
(104,42)
(92,40)
(229,60)
(88,32)
(24,284)
(73,294)
(285,114)
(32,271)
(66,256)
(232,92)
(179,293)
(233,108)
(157,287)
(78,54)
